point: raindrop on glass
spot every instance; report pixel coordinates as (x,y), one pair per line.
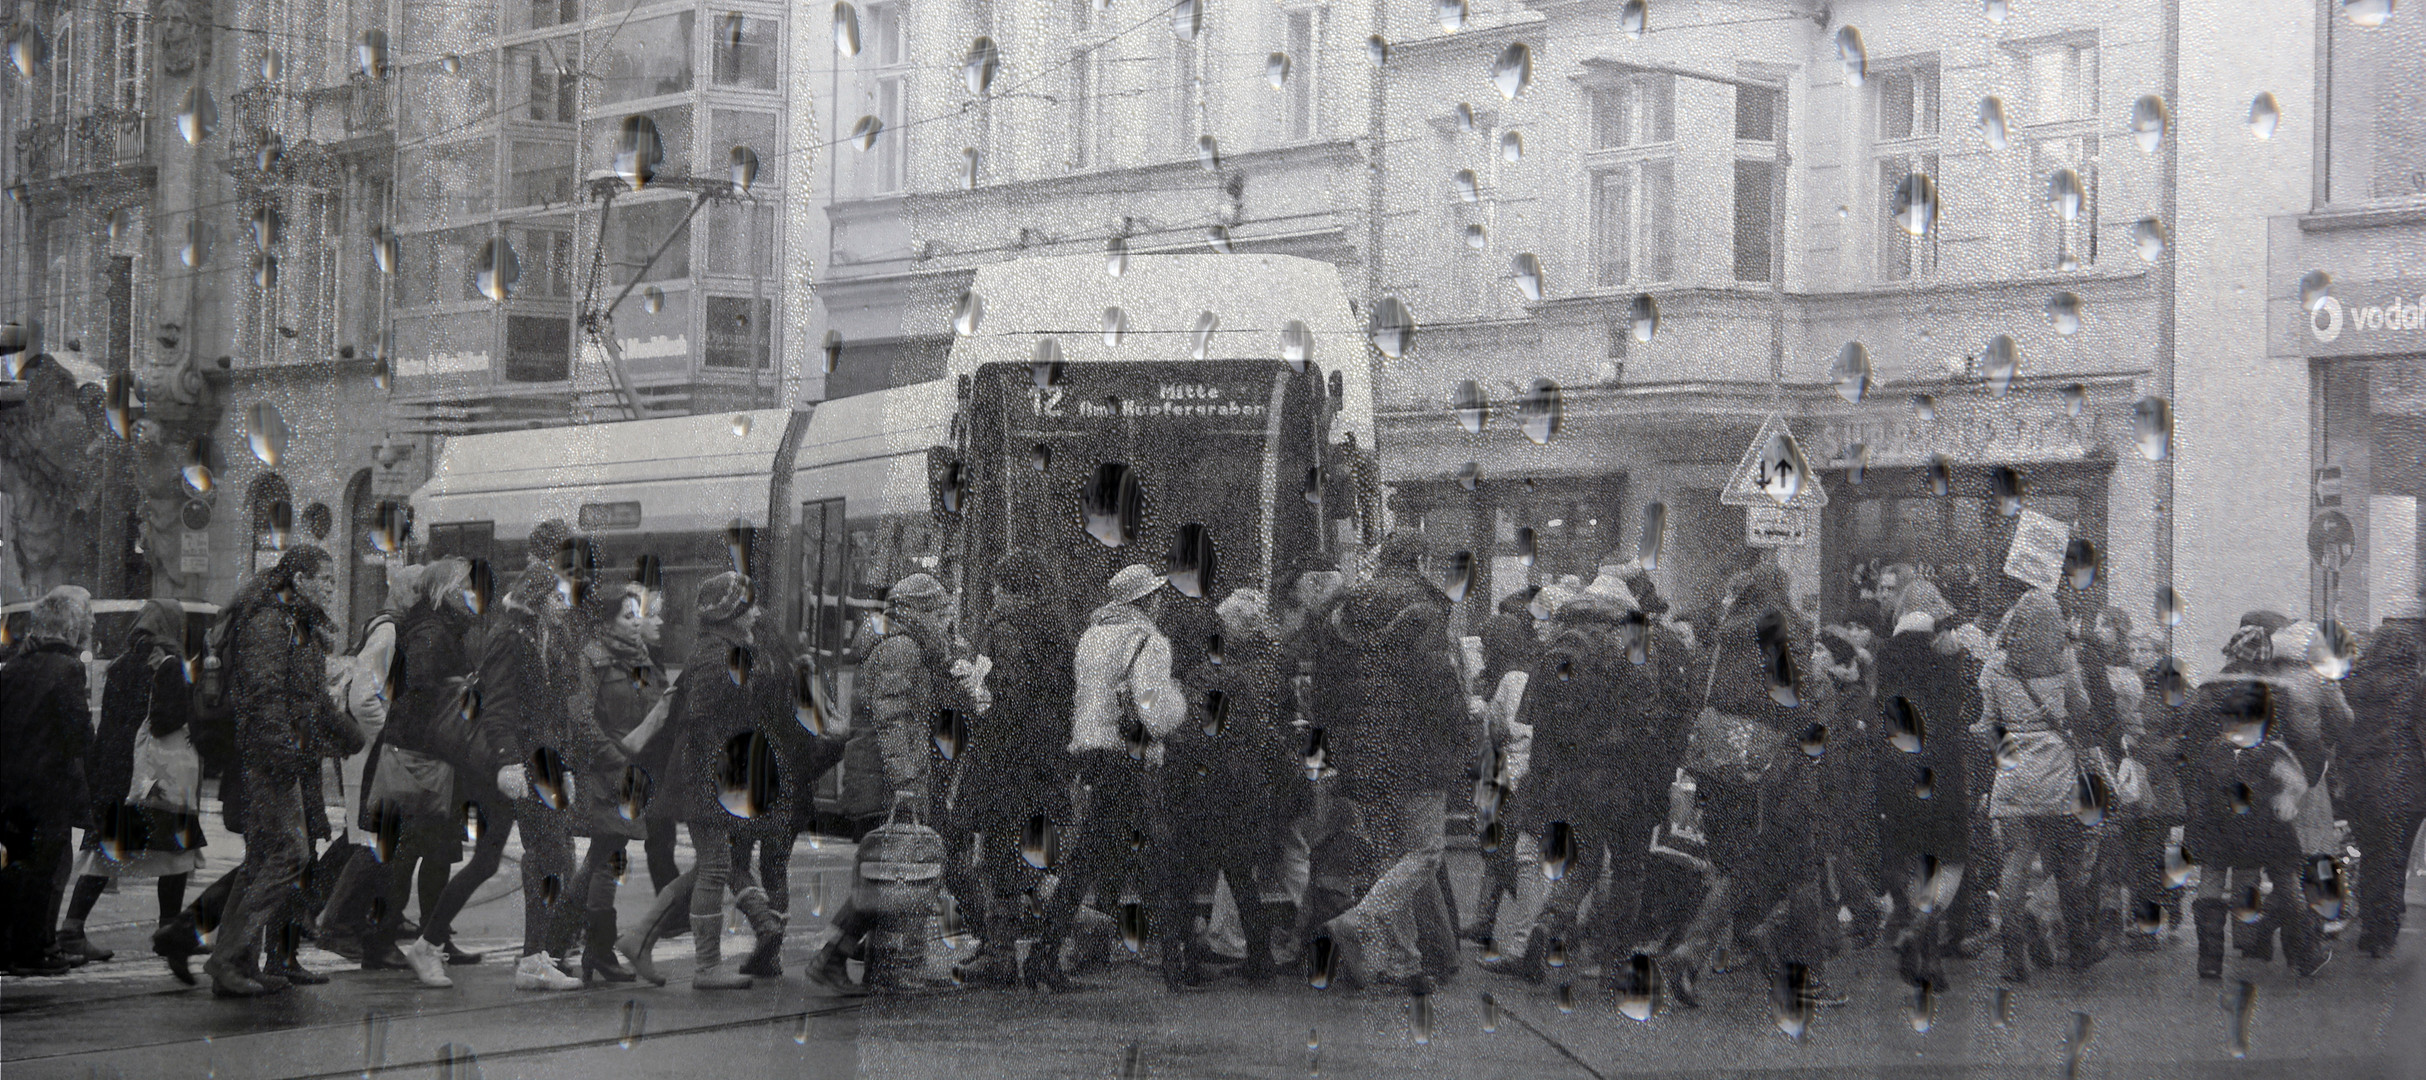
(265,272)
(1187,19)
(1491,1014)
(1276,70)
(1655,535)
(1914,204)
(2331,650)
(1633,19)
(1115,325)
(1526,267)
(1217,237)
(1999,360)
(864,132)
(2148,238)
(743,168)
(2076,397)
(2367,13)
(1472,408)
(265,431)
(1451,14)
(1208,153)
(2315,286)
(639,151)
(1200,341)
(2168,605)
(1116,256)
(1541,411)
(1992,122)
(1642,318)
(197,115)
(2152,427)
(1046,364)
(1939,473)
(1513,71)
(1377,51)
(2007,485)
(1391,328)
(1457,575)
(2081,562)
(1296,345)
(2064,194)
(1111,505)
(2264,114)
(497,270)
(1464,114)
(269,151)
(1924,406)
(2149,118)
(978,66)
(1996,10)
(967,313)
(1558,851)
(370,53)
(846,29)
(1470,475)
(1468,189)
(28,49)
(1851,55)
(385,249)
(652,299)
(1781,468)
(635,1023)
(1511,146)
(2064,312)
(1474,237)
(1851,374)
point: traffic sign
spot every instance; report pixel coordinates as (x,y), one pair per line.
(1774,472)
(1777,526)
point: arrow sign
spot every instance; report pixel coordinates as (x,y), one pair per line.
(1774,472)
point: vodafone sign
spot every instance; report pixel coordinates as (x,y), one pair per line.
(2355,319)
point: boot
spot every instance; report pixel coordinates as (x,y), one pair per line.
(1255,924)
(176,941)
(707,943)
(672,903)
(766,955)
(74,944)
(1530,967)
(832,970)
(598,950)
(2207,917)
(228,981)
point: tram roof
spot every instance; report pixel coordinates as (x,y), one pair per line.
(691,473)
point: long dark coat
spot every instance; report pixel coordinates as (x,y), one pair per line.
(46,724)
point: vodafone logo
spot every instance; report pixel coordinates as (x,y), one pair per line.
(2325,320)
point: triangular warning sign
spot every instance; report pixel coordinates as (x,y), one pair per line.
(1774,472)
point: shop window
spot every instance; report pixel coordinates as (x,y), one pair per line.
(738,332)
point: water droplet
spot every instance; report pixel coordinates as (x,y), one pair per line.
(197,114)
(2168,606)
(1457,575)
(864,132)
(1187,19)
(269,152)
(1473,409)
(1474,237)
(1792,1002)
(1200,341)
(1116,256)
(743,170)
(1992,122)
(1451,14)
(967,313)
(1112,505)
(1133,927)
(1391,328)
(1915,204)
(1377,51)
(1999,360)
(1513,71)
(2148,238)
(968,168)
(2064,194)
(122,403)
(1040,842)
(497,270)
(2243,1005)
(1541,411)
(2332,649)
(832,346)
(1634,19)
(1315,759)
(2152,427)
(635,1023)
(1464,113)
(1217,237)
(456,1062)
(1419,1020)
(1852,372)
(639,151)
(370,53)
(386,250)
(195,466)
(2264,114)
(1296,345)
(265,272)
(1938,471)
(2367,13)
(1115,325)
(1558,851)
(1470,475)
(652,299)
(1046,368)
(1526,267)
(1190,564)
(1642,318)
(28,49)
(2076,1042)
(978,66)
(266,432)
(2064,312)
(473,820)
(2091,798)
(2149,119)
(2315,286)
(1921,1011)
(1924,407)
(746,778)
(1208,153)
(2081,562)
(272,66)
(1996,10)
(1851,55)
(950,730)
(1782,467)
(2325,886)
(846,28)
(1512,146)
(281,524)
(1276,70)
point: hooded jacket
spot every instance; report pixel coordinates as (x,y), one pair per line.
(285,721)
(1122,656)
(1387,688)
(146,683)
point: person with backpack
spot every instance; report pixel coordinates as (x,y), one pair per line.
(2247,765)
(286,725)
(46,724)
(2035,712)
(150,827)
(364,682)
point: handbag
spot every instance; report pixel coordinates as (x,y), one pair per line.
(416,785)
(2091,771)
(1724,747)
(168,771)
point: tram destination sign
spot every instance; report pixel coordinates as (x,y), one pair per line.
(1197,396)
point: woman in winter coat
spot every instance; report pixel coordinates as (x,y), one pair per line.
(1922,779)
(2245,769)
(46,724)
(146,690)
(615,686)
(408,796)
(438,697)
(2034,711)
(2384,775)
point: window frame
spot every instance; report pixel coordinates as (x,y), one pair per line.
(2052,239)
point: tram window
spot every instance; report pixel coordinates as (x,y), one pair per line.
(824,577)
(472,540)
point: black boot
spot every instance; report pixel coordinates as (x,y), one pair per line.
(598,950)
(2207,918)
(1532,966)
(177,941)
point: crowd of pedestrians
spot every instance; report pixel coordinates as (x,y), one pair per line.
(1727,788)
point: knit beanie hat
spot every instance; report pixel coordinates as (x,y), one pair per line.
(723,598)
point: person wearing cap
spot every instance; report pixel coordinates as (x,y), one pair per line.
(1124,703)
(1388,690)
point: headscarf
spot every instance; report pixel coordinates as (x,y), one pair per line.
(2034,640)
(722,599)
(163,621)
(2251,647)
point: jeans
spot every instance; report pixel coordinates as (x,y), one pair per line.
(487,850)
(2064,844)
(270,880)
(1404,906)
(547,873)
(715,870)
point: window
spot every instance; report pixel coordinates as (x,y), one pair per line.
(601,136)
(1903,256)
(888,158)
(2375,111)
(1084,87)
(546,256)
(130,62)
(883,43)
(2066,245)
(1300,119)
(2063,84)
(540,75)
(542,172)
(1755,114)
(2061,126)
(638,229)
(746,51)
(1633,111)
(647,58)
(825,582)
(737,332)
(538,348)
(1907,103)
(547,13)
(741,239)
(1754,205)
(63,67)
(1633,223)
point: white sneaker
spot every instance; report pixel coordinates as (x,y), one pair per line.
(429,964)
(538,971)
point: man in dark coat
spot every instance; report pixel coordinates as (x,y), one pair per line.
(1921,775)
(46,724)
(1387,683)
(2385,785)
(285,724)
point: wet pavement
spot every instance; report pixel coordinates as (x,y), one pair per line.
(2144,1015)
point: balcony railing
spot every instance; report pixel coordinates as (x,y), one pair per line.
(95,142)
